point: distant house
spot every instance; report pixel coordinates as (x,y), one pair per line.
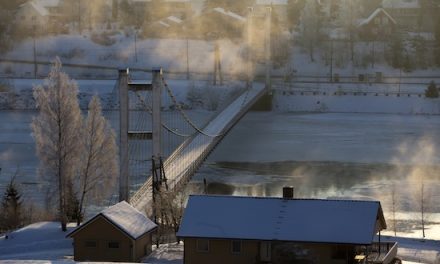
(38,15)
(118,233)
(407,13)
(378,25)
(230,229)
(279,7)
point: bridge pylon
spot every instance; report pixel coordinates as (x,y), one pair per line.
(125,85)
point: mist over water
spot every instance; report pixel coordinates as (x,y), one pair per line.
(338,156)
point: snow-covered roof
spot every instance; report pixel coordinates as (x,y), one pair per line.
(272,2)
(164,24)
(229,13)
(175,19)
(48,3)
(374,14)
(126,218)
(42,11)
(400,4)
(301,220)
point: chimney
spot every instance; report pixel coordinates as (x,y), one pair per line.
(288,192)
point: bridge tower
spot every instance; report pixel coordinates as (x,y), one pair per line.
(125,85)
(265,15)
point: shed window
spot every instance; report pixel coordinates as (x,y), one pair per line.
(236,246)
(202,245)
(113,244)
(90,244)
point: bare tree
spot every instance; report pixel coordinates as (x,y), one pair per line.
(311,24)
(99,165)
(56,130)
(393,209)
(169,208)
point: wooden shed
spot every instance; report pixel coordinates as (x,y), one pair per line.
(118,233)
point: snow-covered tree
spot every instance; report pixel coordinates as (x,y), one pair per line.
(99,164)
(56,130)
(311,25)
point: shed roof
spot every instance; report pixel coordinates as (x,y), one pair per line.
(126,218)
(300,220)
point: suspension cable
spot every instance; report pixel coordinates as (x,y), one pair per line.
(184,115)
(150,111)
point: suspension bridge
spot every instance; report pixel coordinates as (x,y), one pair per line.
(161,143)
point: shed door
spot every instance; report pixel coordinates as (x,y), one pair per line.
(265,251)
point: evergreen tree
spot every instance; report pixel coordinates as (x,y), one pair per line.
(432,91)
(11,207)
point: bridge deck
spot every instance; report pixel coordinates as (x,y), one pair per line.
(182,164)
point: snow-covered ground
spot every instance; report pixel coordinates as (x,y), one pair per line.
(44,242)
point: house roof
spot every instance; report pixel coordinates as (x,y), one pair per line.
(126,218)
(272,2)
(41,10)
(229,14)
(374,14)
(48,3)
(400,4)
(299,220)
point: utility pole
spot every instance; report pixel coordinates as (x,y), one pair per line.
(268,49)
(79,16)
(187,58)
(249,45)
(217,65)
(34,27)
(331,60)
(135,46)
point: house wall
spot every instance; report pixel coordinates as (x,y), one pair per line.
(102,232)
(143,246)
(28,18)
(220,252)
(379,27)
(285,252)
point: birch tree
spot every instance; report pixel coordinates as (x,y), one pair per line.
(56,130)
(99,165)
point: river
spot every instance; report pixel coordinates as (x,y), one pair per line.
(344,156)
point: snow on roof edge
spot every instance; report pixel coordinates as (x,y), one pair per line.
(375,13)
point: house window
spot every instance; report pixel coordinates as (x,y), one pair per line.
(377,21)
(113,244)
(202,245)
(90,244)
(236,246)
(385,20)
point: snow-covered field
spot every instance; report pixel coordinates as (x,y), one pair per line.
(44,242)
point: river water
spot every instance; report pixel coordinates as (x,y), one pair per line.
(344,156)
